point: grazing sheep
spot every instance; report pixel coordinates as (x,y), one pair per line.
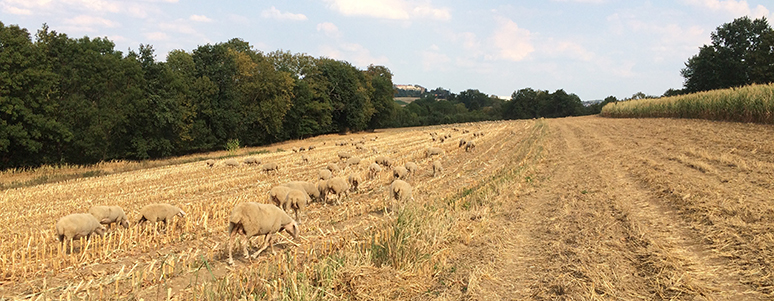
(353,161)
(278,194)
(309,188)
(159,212)
(75,226)
(294,149)
(411,167)
(374,169)
(296,200)
(462,142)
(374,150)
(470,146)
(252,219)
(252,160)
(399,172)
(322,188)
(437,168)
(325,174)
(344,155)
(354,180)
(304,158)
(271,166)
(333,168)
(231,163)
(210,163)
(384,161)
(107,215)
(301,149)
(360,146)
(311,147)
(432,151)
(400,190)
(338,186)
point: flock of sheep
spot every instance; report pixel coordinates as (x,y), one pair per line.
(251,218)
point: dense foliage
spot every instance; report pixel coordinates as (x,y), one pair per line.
(79,101)
(741,53)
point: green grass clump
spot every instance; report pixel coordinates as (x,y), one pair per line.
(753,103)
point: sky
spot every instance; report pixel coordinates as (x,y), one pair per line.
(592,48)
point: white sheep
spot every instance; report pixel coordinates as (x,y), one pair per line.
(271,166)
(462,142)
(470,146)
(353,161)
(401,191)
(382,160)
(374,170)
(325,174)
(304,159)
(252,160)
(309,188)
(322,188)
(338,186)
(354,180)
(252,219)
(294,149)
(333,168)
(344,155)
(210,163)
(432,151)
(296,200)
(107,215)
(231,163)
(411,167)
(159,213)
(437,168)
(374,150)
(311,147)
(278,194)
(399,172)
(75,226)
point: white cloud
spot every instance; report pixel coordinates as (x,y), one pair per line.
(583,1)
(178,26)
(156,36)
(15,10)
(354,53)
(389,9)
(733,7)
(513,43)
(274,13)
(432,60)
(329,29)
(199,18)
(86,21)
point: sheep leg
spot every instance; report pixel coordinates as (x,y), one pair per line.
(230,247)
(266,241)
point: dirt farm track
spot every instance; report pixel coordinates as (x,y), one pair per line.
(585,208)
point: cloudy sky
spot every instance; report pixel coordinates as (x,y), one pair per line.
(593,48)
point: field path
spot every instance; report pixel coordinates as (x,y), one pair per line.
(597,218)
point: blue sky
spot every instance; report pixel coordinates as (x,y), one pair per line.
(593,48)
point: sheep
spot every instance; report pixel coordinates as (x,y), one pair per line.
(462,142)
(271,166)
(382,160)
(294,149)
(411,167)
(309,188)
(338,186)
(311,147)
(304,159)
(333,168)
(360,146)
(252,160)
(353,161)
(231,163)
(210,163)
(301,149)
(159,212)
(401,191)
(437,168)
(399,172)
(252,219)
(432,151)
(374,150)
(344,155)
(325,174)
(322,188)
(470,146)
(110,214)
(77,225)
(354,180)
(297,200)
(374,169)
(278,194)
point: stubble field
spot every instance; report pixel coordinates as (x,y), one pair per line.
(576,208)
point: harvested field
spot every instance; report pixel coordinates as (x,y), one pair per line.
(573,208)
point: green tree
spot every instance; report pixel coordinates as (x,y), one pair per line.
(381,96)
(741,53)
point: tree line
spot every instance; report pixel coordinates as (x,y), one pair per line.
(80,101)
